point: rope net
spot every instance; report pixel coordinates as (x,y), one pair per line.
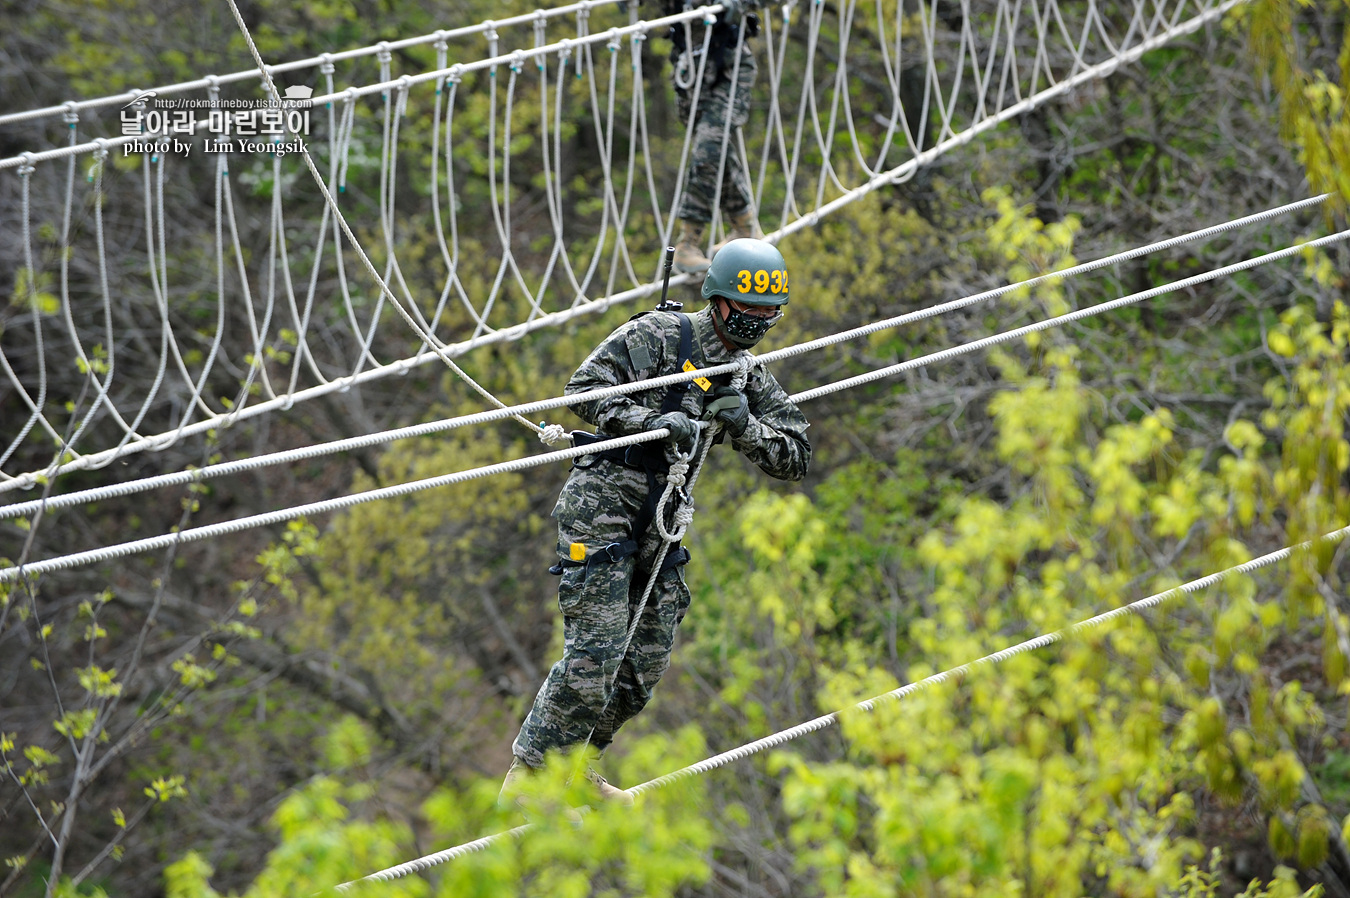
(221,282)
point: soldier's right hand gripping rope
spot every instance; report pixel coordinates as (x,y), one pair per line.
(729,406)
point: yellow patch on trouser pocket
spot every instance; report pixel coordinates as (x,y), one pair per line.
(577,551)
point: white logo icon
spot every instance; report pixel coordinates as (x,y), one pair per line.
(144,95)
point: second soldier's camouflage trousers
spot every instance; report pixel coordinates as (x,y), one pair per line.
(596,687)
(715,101)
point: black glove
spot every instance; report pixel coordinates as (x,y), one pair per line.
(729,406)
(682,430)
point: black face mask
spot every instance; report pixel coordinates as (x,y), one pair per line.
(741,329)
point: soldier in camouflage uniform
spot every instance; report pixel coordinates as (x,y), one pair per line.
(728,76)
(606,556)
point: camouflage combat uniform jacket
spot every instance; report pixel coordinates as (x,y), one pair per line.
(595,688)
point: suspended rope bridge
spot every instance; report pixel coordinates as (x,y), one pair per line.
(291,315)
(303,285)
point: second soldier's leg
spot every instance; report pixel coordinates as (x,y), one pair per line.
(649,653)
(737,197)
(714,147)
(705,151)
(694,209)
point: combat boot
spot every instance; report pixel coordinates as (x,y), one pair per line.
(689,256)
(744,224)
(608,792)
(514,786)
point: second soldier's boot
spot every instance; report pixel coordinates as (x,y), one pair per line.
(745,224)
(515,785)
(607,791)
(521,794)
(689,256)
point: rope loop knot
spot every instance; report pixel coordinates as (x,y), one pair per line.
(683,515)
(553,434)
(744,363)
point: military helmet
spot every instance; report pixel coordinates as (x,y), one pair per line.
(749,271)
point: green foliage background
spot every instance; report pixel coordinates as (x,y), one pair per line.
(342,693)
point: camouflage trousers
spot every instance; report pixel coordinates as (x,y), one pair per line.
(716,101)
(597,687)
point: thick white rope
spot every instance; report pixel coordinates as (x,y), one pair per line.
(828,720)
(100,384)
(1054,276)
(705,12)
(163,440)
(1060,320)
(957,673)
(79,558)
(437,345)
(379,87)
(320,61)
(36,416)
(165,331)
(196,534)
(194,475)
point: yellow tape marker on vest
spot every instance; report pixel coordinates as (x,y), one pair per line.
(703,383)
(577,551)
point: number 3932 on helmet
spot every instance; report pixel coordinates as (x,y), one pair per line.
(749,271)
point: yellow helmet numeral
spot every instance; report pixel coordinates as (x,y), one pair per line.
(762,281)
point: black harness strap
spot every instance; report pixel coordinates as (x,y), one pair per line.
(675,392)
(619,551)
(654,457)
